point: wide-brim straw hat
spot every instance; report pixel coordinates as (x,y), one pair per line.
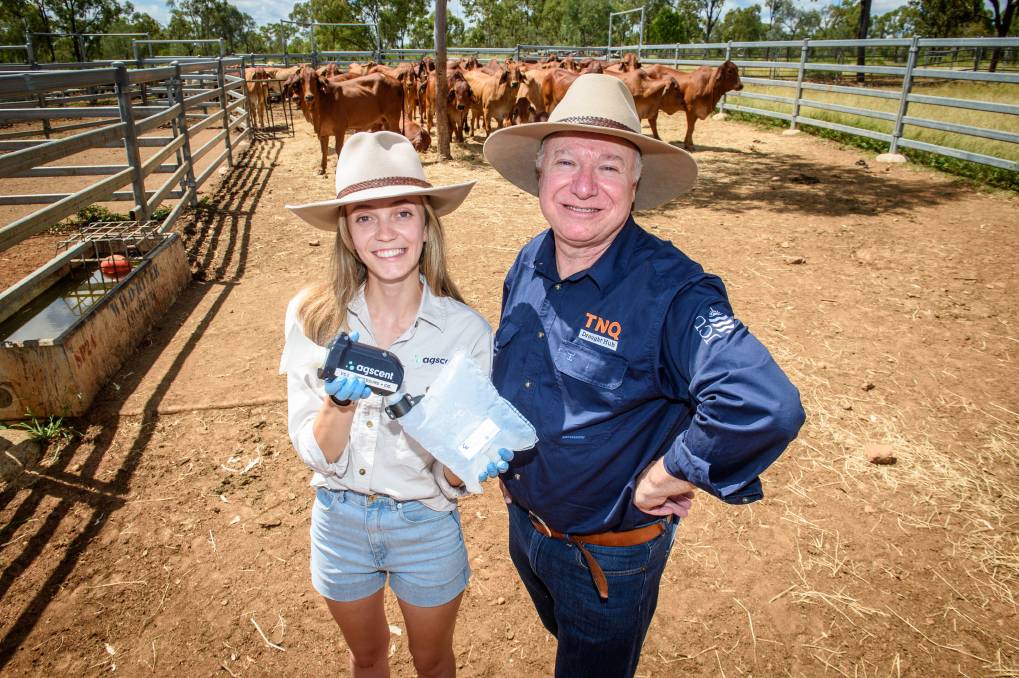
(377,165)
(601,104)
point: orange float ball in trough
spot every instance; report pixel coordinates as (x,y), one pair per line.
(115,266)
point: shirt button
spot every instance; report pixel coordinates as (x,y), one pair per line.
(361,472)
(556,287)
(516,476)
(541,335)
(370,423)
(527,384)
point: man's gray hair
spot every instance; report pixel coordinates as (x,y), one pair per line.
(540,158)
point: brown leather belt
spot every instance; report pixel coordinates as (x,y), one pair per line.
(640,535)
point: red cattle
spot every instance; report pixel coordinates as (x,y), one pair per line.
(701,90)
(335,106)
(496,94)
(651,94)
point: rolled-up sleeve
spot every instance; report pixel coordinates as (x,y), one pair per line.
(304,398)
(746,411)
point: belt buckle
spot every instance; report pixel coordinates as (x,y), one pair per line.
(535,517)
(372,497)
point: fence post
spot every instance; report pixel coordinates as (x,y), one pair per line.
(188,181)
(516,53)
(675,58)
(45,121)
(893,154)
(721,104)
(139,63)
(123,86)
(221,78)
(804,50)
(30,52)
(978,52)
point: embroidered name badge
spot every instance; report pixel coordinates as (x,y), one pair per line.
(715,326)
(601,332)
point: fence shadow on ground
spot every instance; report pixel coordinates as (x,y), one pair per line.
(737,181)
(221,249)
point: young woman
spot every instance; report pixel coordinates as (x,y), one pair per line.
(383,506)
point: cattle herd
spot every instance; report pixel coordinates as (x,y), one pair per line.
(403,98)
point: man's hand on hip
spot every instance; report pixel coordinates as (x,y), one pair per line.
(660,493)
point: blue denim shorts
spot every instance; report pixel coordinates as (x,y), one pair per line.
(358,540)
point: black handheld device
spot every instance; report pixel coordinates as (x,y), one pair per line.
(380,370)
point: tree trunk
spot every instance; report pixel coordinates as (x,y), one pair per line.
(1003,26)
(441,86)
(861,34)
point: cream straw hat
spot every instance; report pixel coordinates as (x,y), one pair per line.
(376,165)
(601,104)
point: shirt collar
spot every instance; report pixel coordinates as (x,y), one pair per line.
(611,265)
(430,310)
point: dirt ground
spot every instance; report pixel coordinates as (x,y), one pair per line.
(889,294)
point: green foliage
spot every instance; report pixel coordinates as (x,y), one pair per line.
(94,213)
(422,32)
(44,431)
(677,24)
(742,25)
(951,18)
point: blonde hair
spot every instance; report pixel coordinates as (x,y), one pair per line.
(323,312)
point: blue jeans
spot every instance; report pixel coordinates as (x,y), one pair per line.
(596,637)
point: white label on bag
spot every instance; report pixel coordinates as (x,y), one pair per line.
(477,440)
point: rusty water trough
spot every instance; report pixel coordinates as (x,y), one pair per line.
(60,349)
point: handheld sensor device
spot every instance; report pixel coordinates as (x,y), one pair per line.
(380,370)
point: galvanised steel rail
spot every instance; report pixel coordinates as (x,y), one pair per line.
(123,125)
(796,79)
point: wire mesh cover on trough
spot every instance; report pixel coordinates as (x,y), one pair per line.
(129,238)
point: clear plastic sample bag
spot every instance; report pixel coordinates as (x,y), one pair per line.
(463,421)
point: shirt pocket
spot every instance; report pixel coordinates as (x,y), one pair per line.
(602,370)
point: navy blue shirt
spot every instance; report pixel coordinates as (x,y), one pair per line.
(636,358)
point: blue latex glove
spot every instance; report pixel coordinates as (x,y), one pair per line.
(343,388)
(496,467)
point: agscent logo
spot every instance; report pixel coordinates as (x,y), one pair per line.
(430,360)
(715,326)
(601,331)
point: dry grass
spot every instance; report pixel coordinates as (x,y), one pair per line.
(976,91)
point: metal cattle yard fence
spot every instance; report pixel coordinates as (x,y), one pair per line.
(164,108)
(903,76)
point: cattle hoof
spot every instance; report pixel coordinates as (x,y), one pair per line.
(320,172)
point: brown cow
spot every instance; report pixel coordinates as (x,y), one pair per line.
(369,102)
(496,93)
(302,86)
(554,87)
(407,75)
(701,90)
(628,63)
(257,89)
(330,70)
(652,94)
(458,102)
(418,135)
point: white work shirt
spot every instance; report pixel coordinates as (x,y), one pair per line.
(379,458)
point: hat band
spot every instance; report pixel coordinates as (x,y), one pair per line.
(382,182)
(595,121)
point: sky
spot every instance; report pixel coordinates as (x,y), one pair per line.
(270,11)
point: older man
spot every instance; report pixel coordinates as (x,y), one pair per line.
(627,358)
